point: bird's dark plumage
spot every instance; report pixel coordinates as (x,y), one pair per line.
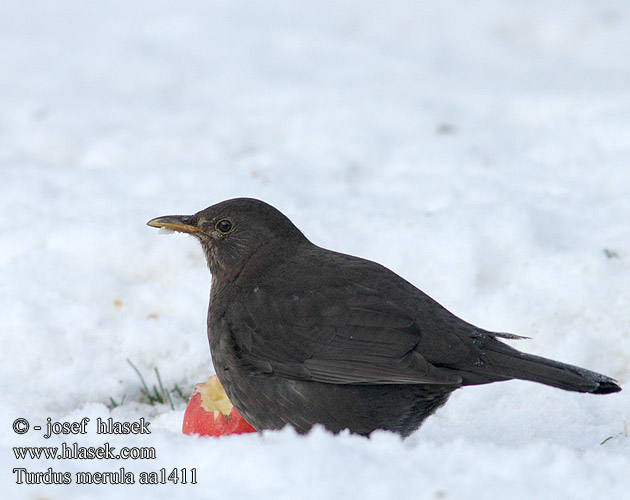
(301,335)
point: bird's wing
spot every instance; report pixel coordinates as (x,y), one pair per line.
(346,336)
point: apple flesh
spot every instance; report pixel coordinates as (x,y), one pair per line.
(211,413)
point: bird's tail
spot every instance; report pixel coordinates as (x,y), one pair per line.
(506,363)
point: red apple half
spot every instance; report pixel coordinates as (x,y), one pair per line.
(211,413)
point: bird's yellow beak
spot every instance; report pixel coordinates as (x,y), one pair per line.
(179,223)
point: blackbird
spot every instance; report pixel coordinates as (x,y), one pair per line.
(301,335)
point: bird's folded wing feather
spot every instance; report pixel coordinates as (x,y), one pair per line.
(343,338)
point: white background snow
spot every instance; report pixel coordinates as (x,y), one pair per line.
(480,149)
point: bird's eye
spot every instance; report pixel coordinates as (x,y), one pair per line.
(224,225)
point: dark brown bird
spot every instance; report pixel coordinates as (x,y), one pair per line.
(301,335)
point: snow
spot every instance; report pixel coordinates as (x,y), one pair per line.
(479,149)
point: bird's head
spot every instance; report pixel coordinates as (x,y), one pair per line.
(234,231)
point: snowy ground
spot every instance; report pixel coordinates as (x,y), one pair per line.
(480,149)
